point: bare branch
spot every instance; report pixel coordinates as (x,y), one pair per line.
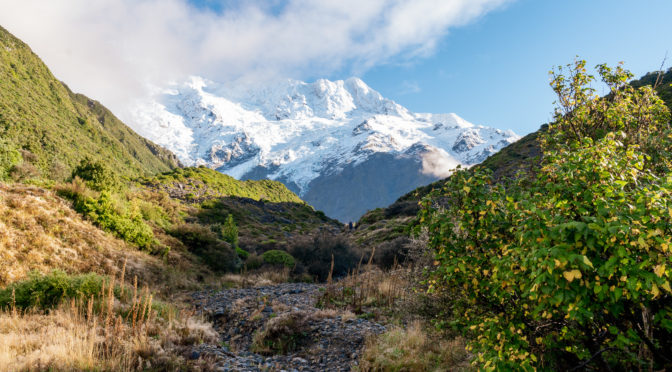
(659,78)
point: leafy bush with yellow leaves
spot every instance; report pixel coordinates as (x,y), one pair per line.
(570,267)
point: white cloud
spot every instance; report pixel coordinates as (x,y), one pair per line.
(111,49)
(438,163)
(409,87)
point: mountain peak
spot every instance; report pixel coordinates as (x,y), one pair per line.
(305,133)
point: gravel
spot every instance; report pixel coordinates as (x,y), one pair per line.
(332,342)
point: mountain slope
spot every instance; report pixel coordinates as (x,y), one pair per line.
(53,128)
(339,145)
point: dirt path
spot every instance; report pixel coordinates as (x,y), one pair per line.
(325,340)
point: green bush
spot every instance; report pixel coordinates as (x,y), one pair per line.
(131,228)
(124,222)
(568,267)
(243,254)
(229,231)
(203,242)
(96,174)
(9,157)
(277,257)
(47,291)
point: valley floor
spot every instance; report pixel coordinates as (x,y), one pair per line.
(317,339)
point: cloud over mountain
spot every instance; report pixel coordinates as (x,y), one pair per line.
(111,49)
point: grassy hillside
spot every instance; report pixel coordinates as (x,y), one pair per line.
(40,231)
(204,183)
(268,215)
(45,129)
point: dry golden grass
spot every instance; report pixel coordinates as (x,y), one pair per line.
(40,231)
(413,349)
(108,332)
(369,288)
(65,340)
(40,341)
(261,278)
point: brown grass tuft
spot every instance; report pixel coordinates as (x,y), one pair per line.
(261,278)
(413,349)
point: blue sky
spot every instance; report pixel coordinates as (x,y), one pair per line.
(486,60)
(494,71)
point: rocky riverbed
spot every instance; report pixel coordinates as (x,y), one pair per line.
(325,340)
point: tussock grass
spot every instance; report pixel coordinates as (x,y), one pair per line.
(413,349)
(117,328)
(282,334)
(368,288)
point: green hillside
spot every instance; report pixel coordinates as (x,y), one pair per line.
(204,183)
(268,214)
(45,129)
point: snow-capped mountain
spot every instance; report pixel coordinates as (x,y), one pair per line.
(340,145)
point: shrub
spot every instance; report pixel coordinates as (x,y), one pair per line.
(47,291)
(569,268)
(392,251)
(203,242)
(129,227)
(9,157)
(96,174)
(229,231)
(277,257)
(111,215)
(242,253)
(316,255)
